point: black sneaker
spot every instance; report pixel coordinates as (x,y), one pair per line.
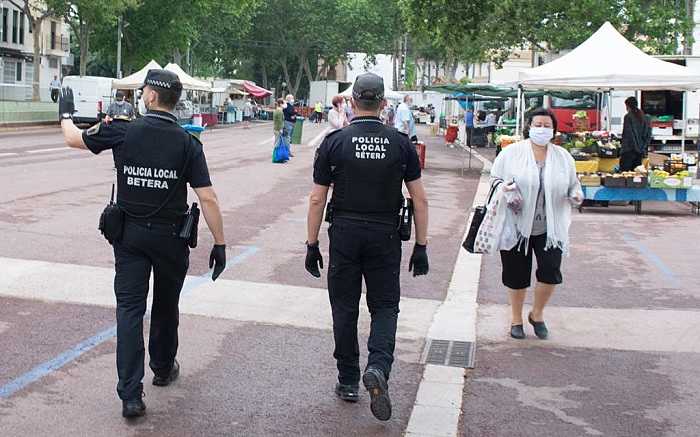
(376,385)
(162,381)
(348,393)
(133,408)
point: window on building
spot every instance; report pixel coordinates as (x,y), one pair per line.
(53,35)
(3,28)
(18,76)
(21,28)
(8,71)
(15,23)
(53,63)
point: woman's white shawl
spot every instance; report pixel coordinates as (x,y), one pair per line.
(517,163)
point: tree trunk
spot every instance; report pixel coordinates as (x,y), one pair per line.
(177,56)
(84,41)
(36,34)
(307,70)
(690,12)
(264,75)
(394,81)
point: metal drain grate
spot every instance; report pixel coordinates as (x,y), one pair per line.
(449,353)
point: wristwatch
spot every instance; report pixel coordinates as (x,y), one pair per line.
(66,116)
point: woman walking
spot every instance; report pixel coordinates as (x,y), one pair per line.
(336,116)
(539,187)
(636,134)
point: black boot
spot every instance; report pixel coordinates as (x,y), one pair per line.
(376,385)
(163,380)
(133,408)
(348,393)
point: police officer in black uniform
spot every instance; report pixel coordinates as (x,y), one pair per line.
(154,158)
(367,164)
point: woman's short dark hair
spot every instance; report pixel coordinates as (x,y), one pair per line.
(633,107)
(539,112)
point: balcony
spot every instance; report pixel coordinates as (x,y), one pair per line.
(56,42)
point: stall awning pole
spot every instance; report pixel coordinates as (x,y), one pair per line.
(517,113)
(685,121)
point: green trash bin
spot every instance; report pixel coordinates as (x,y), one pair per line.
(297,131)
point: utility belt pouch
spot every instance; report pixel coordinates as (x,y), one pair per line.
(329,212)
(406,219)
(112,221)
(190,225)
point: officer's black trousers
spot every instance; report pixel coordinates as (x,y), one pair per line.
(373,251)
(145,247)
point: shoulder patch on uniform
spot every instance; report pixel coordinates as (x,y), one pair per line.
(195,137)
(94,130)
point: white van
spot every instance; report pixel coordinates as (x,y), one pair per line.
(93,95)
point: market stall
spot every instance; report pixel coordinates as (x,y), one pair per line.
(605,62)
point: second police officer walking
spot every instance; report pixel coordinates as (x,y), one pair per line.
(367,164)
(154,158)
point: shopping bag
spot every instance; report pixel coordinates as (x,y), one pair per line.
(280,153)
(481,238)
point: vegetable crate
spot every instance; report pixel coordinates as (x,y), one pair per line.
(671,182)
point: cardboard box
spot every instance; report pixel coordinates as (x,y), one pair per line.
(671,182)
(662,131)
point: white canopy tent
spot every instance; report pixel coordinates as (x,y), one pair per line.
(608,61)
(135,80)
(388,94)
(188,82)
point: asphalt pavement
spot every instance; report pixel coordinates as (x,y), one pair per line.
(255,347)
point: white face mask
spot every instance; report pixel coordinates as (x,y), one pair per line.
(541,135)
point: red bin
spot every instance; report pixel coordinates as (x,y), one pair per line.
(451,134)
(420,148)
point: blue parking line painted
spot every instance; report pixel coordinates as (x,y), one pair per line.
(652,258)
(86,345)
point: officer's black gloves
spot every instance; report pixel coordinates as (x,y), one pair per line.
(66,103)
(314,260)
(419,260)
(217,259)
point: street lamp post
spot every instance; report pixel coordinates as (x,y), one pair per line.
(119,47)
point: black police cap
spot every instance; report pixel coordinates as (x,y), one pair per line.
(162,79)
(368,86)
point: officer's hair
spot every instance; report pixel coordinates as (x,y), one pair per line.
(168,97)
(368,105)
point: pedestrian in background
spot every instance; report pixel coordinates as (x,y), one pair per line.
(55,87)
(278,120)
(367,164)
(336,116)
(469,124)
(318,112)
(538,188)
(290,117)
(636,135)
(348,110)
(404,120)
(120,108)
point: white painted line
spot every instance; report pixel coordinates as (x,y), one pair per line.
(439,401)
(268,142)
(225,299)
(53,149)
(8,154)
(318,138)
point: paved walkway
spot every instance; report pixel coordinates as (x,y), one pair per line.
(255,347)
(623,355)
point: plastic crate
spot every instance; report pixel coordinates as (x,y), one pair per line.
(612,182)
(670,182)
(608,153)
(590,180)
(637,182)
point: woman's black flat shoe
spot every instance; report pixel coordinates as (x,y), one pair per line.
(540,328)
(517,331)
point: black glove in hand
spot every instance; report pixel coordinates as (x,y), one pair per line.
(314,260)
(419,260)
(66,102)
(217,259)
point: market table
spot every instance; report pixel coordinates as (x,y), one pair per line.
(637,195)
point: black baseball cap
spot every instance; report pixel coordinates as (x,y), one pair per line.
(368,86)
(163,79)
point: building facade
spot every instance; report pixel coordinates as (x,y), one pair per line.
(17,53)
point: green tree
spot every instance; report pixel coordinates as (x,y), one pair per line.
(86,16)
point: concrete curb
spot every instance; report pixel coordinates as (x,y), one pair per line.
(438,404)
